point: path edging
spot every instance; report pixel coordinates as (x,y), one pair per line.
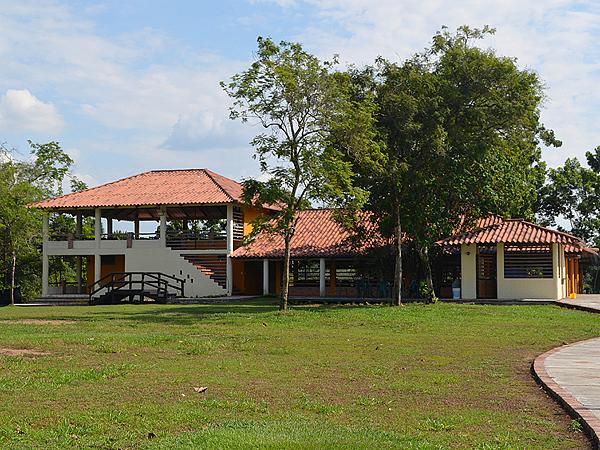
(589,422)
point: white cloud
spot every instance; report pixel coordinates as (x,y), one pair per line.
(207,129)
(146,100)
(21,110)
(556,38)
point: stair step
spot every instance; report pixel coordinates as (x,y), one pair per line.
(213,266)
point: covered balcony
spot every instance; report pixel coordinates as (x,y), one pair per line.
(211,227)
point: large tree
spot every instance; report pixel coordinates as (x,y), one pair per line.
(309,120)
(572,193)
(23,182)
(462,130)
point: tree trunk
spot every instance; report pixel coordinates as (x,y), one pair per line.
(285,283)
(424,255)
(12,277)
(397,295)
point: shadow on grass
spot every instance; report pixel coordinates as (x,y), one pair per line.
(187,314)
(171,314)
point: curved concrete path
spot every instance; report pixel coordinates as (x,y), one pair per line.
(571,373)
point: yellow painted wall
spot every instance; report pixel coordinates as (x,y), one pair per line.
(105,269)
(468,271)
(251,214)
(239,275)
(520,288)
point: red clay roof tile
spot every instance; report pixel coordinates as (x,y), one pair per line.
(512,231)
(317,235)
(158,187)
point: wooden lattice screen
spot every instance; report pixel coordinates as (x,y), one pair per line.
(238,224)
(531,261)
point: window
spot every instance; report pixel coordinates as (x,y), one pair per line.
(345,273)
(532,261)
(304,272)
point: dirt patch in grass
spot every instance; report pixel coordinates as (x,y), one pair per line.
(39,322)
(21,352)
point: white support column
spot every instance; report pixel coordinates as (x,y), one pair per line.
(98,237)
(468,271)
(97,226)
(229,249)
(78,265)
(97,267)
(322,277)
(45,255)
(163,226)
(501,286)
(265,277)
(556,271)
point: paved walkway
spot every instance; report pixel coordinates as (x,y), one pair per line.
(586,302)
(571,373)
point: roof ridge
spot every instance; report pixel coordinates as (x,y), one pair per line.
(210,174)
(554,231)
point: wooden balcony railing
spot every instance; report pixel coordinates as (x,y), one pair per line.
(187,240)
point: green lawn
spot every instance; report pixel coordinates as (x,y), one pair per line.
(421,376)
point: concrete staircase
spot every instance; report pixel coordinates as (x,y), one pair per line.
(213,266)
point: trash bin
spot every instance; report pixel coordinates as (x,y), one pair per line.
(456,289)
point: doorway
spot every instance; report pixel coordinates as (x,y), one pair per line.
(487,286)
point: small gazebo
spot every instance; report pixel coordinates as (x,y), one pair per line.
(517,259)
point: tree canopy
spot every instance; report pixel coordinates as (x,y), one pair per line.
(462,132)
(23,181)
(309,119)
(573,194)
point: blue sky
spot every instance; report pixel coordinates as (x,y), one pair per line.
(129,86)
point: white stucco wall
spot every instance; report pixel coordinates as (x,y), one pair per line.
(468,271)
(169,262)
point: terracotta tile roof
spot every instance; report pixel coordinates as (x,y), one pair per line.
(318,234)
(512,231)
(158,187)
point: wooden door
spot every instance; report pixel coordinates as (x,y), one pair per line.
(573,275)
(486,275)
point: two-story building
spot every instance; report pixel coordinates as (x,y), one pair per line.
(184,224)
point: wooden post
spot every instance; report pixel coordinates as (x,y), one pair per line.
(572,275)
(78,225)
(109,227)
(265,277)
(78,259)
(137,225)
(163,226)
(78,266)
(332,278)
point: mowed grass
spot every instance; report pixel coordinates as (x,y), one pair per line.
(420,376)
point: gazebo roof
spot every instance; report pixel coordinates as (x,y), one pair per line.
(513,231)
(157,187)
